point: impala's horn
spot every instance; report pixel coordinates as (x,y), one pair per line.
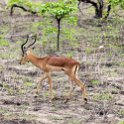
(35,38)
(22,46)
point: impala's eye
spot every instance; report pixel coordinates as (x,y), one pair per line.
(24,47)
(33,47)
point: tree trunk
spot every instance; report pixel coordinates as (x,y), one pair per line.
(100,11)
(97,12)
(58,34)
(98,7)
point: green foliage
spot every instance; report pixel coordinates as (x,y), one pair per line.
(59,9)
(88,50)
(28,84)
(75,121)
(115,3)
(122,64)
(68,34)
(2,111)
(51,10)
(48,30)
(70,54)
(95,82)
(120,122)
(19,2)
(121,112)
(105,96)
(8,88)
(3,42)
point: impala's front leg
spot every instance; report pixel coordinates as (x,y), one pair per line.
(50,86)
(83,88)
(39,85)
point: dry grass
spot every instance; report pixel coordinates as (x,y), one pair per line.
(100,51)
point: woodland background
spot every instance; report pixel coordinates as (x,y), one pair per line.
(97,43)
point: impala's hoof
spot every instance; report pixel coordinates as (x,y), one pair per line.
(66,100)
(36,92)
(36,95)
(85,100)
(53,98)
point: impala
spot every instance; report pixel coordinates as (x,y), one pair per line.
(53,63)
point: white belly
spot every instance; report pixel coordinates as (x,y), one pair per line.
(54,68)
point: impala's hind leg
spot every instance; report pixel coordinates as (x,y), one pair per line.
(71,89)
(73,76)
(69,95)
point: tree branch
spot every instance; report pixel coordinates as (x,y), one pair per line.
(94,4)
(21,7)
(108,11)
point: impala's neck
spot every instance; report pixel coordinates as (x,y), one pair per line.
(34,59)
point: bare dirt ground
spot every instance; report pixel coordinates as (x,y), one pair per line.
(102,74)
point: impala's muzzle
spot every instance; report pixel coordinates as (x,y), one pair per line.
(21,61)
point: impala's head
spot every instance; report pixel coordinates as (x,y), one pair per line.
(26,50)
